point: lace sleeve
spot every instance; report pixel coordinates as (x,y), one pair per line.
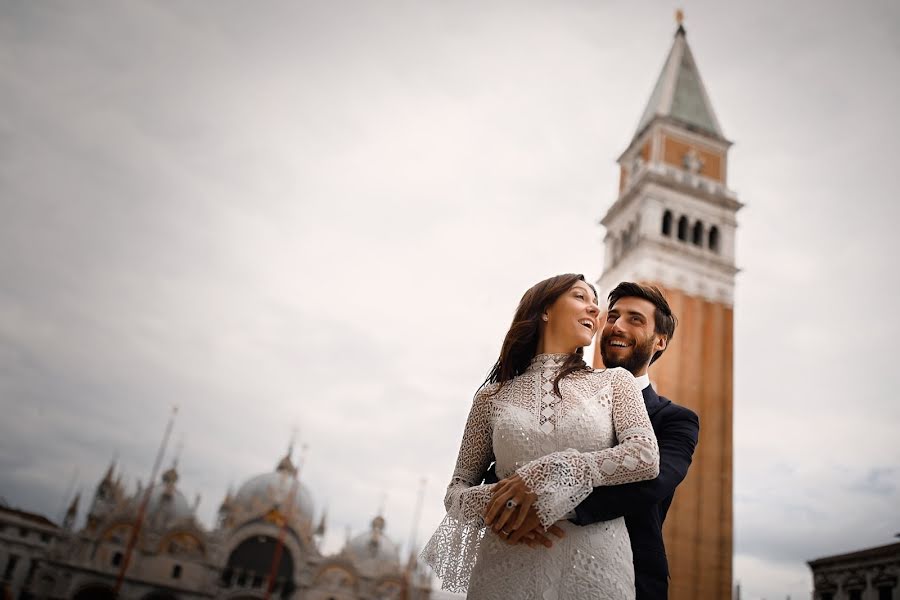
(563,479)
(452,550)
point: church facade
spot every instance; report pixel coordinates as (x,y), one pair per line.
(265,544)
(673,224)
(869,574)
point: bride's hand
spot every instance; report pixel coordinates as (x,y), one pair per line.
(511,496)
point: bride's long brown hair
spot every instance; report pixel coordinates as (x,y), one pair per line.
(521,341)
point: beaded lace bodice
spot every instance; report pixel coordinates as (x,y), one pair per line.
(595,432)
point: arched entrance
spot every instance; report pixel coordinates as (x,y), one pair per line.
(159,596)
(250,565)
(95,591)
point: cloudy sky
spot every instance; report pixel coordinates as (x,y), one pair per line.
(322,214)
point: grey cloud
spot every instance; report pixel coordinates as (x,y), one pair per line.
(323,215)
(879,481)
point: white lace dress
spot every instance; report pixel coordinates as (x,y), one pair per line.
(562,447)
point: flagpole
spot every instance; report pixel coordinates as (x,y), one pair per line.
(282,531)
(142,509)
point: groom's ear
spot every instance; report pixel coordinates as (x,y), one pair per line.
(661,342)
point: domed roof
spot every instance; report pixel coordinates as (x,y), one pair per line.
(373,551)
(269,490)
(170,504)
(166,501)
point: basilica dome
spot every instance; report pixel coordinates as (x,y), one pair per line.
(373,552)
(264,492)
(166,501)
(172,504)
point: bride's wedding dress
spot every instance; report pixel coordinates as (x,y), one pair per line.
(596,433)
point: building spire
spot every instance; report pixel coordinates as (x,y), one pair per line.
(322,526)
(110,472)
(72,513)
(286,464)
(679,94)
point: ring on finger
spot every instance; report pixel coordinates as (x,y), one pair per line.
(511,504)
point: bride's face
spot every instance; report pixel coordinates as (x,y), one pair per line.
(570,322)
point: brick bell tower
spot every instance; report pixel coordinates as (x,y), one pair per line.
(673,224)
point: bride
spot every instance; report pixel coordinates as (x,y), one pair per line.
(556,429)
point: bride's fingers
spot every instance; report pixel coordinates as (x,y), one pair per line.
(494,506)
(508,516)
(503,518)
(500,487)
(523,511)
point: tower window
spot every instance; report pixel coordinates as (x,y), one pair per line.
(682,228)
(117,559)
(10,567)
(667,223)
(714,238)
(176,572)
(697,237)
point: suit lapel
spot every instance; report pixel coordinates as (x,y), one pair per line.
(652,401)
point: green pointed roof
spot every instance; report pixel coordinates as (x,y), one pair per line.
(679,92)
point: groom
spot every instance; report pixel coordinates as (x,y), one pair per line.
(638,327)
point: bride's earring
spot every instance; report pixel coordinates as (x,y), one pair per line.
(546,318)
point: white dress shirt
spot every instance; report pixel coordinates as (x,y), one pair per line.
(643,381)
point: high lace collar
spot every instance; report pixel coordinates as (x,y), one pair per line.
(548,361)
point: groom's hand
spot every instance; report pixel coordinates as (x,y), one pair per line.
(531,533)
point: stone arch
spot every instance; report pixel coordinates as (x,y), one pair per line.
(118,533)
(389,587)
(182,543)
(683,228)
(633,232)
(250,560)
(697,234)
(158,595)
(94,591)
(615,249)
(667,223)
(714,239)
(335,581)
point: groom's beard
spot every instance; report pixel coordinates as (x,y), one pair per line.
(637,359)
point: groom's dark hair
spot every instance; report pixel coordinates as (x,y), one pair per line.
(665,321)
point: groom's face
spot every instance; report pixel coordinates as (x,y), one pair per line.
(628,337)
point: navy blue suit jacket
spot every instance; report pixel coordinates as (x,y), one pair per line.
(644,504)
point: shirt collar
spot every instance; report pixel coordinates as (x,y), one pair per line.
(643,381)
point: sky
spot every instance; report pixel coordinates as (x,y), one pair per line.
(321,216)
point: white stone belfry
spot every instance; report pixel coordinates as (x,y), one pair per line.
(674,219)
